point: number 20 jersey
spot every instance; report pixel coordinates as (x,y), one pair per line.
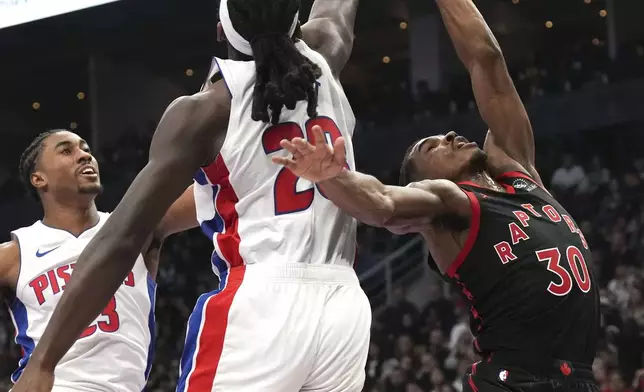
(115,352)
(258,212)
(526,271)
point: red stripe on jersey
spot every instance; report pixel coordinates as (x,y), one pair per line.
(213,332)
(225,202)
(475,221)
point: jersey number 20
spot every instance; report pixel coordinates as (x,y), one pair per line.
(287,198)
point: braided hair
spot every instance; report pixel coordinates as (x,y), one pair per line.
(29,158)
(284,75)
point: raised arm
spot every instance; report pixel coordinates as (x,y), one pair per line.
(510,139)
(399,209)
(329,31)
(189,134)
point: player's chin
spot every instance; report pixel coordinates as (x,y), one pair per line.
(95,188)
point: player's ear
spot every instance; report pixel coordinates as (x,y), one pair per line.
(221,37)
(39,180)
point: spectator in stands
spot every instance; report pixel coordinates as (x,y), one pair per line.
(568,177)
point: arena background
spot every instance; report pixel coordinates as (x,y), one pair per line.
(108,72)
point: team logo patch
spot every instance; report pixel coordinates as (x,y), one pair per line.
(503,375)
(522,184)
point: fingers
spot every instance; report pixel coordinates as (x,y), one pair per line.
(303,147)
(288,162)
(318,135)
(340,153)
(288,146)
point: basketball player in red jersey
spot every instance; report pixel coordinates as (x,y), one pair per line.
(493,230)
(308,313)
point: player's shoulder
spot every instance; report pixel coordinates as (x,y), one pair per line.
(9,262)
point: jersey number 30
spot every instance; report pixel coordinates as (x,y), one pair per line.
(577,266)
(287,198)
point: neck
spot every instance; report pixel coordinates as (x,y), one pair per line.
(69,217)
(484,180)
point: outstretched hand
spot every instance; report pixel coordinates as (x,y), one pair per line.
(314,162)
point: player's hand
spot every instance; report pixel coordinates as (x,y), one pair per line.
(34,379)
(314,162)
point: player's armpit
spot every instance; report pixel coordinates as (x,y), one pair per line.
(189,134)
(9,264)
(329,31)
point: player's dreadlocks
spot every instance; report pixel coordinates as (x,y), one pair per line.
(407,169)
(29,158)
(284,75)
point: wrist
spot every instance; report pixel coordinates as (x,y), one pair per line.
(40,361)
(342,174)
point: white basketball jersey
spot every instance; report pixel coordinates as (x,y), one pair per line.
(259,212)
(114,353)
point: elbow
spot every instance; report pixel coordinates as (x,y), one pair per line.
(486,53)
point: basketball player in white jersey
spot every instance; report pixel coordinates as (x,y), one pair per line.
(289,314)
(114,352)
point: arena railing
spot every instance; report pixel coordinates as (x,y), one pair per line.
(402,267)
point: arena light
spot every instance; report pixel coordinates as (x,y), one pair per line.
(80,95)
(549,24)
(386,59)
(403,25)
(588,1)
(35,105)
(17,12)
(73,125)
(515,1)
(189,72)
(603,13)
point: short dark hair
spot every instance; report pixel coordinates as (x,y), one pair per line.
(284,76)
(408,171)
(29,158)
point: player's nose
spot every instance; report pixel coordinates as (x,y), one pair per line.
(84,157)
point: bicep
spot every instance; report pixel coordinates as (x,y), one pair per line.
(502,109)
(416,205)
(332,40)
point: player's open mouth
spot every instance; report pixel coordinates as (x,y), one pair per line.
(88,171)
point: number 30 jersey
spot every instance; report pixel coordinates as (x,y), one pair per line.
(114,353)
(526,270)
(258,212)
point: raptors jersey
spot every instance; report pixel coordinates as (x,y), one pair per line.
(259,212)
(114,353)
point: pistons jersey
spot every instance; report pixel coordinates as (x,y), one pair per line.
(114,353)
(526,270)
(256,211)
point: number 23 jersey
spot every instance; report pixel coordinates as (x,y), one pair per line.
(115,352)
(526,271)
(258,212)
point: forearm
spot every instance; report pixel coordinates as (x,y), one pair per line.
(361,196)
(94,282)
(472,38)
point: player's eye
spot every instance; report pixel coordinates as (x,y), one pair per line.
(66,151)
